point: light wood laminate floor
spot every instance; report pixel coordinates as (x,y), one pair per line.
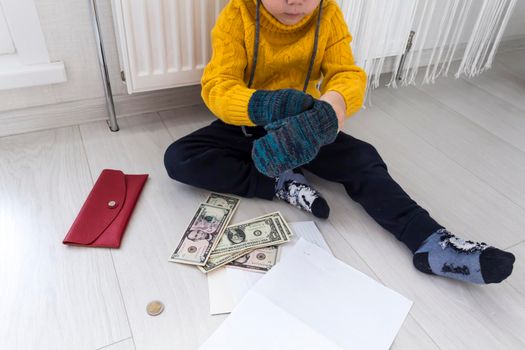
(457,147)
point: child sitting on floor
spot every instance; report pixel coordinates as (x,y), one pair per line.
(262,84)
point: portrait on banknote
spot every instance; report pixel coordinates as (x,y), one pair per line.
(236,235)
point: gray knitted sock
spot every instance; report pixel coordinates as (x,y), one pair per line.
(292,187)
(444,254)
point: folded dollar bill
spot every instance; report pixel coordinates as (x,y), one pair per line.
(258,260)
(256,233)
(216,261)
(223,201)
(205,230)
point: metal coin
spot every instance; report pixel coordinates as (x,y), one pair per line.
(154,308)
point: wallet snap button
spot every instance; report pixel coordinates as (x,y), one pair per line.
(112,204)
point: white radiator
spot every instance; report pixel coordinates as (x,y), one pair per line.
(164,43)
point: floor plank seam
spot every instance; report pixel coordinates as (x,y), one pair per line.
(470,120)
(469,81)
(49,129)
(509,69)
(122,299)
(453,160)
(509,50)
(120,341)
(425,331)
(516,289)
(85,152)
(165,126)
(488,92)
(357,253)
(110,251)
(514,245)
(172,108)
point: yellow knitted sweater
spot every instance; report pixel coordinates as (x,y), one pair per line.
(283,59)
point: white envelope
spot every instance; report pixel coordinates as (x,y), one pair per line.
(310,300)
(228,285)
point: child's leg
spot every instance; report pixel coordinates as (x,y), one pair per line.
(357,165)
(218,158)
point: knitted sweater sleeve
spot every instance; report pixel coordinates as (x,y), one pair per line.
(223,88)
(338,66)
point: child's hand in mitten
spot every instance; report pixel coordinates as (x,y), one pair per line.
(267,106)
(296,140)
(337,102)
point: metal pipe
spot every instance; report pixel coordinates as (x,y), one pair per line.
(402,62)
(112,122)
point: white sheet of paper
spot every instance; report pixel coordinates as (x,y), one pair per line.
(310,300)
(227,285)
(221,297)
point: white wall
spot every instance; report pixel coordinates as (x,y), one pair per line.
(69,36)
(515,29)
(516,26)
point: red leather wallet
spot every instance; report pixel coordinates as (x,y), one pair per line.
(103,217)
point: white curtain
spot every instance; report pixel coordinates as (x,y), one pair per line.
(436,28)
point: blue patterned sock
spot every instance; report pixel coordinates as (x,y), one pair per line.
(292,187)
(267,106)
(444,254)
(295,141)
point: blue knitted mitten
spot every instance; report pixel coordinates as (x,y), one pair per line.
(295,141)
(267,106)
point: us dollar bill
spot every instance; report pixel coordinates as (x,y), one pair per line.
(223,201)
(220,258)
(216,261)
(282,228)
(258,260)
(250,235)
(202,235)
(282,225)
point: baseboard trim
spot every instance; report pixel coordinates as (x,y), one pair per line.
(84,111)
(510,43)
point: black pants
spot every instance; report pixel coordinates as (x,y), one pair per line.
(218,158)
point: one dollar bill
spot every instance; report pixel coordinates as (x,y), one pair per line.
(282,228)
(258,260)
(216,261)
(223,201)
(268,230)
(205,230)
(250,235)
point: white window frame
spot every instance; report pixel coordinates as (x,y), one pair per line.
(29,65)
